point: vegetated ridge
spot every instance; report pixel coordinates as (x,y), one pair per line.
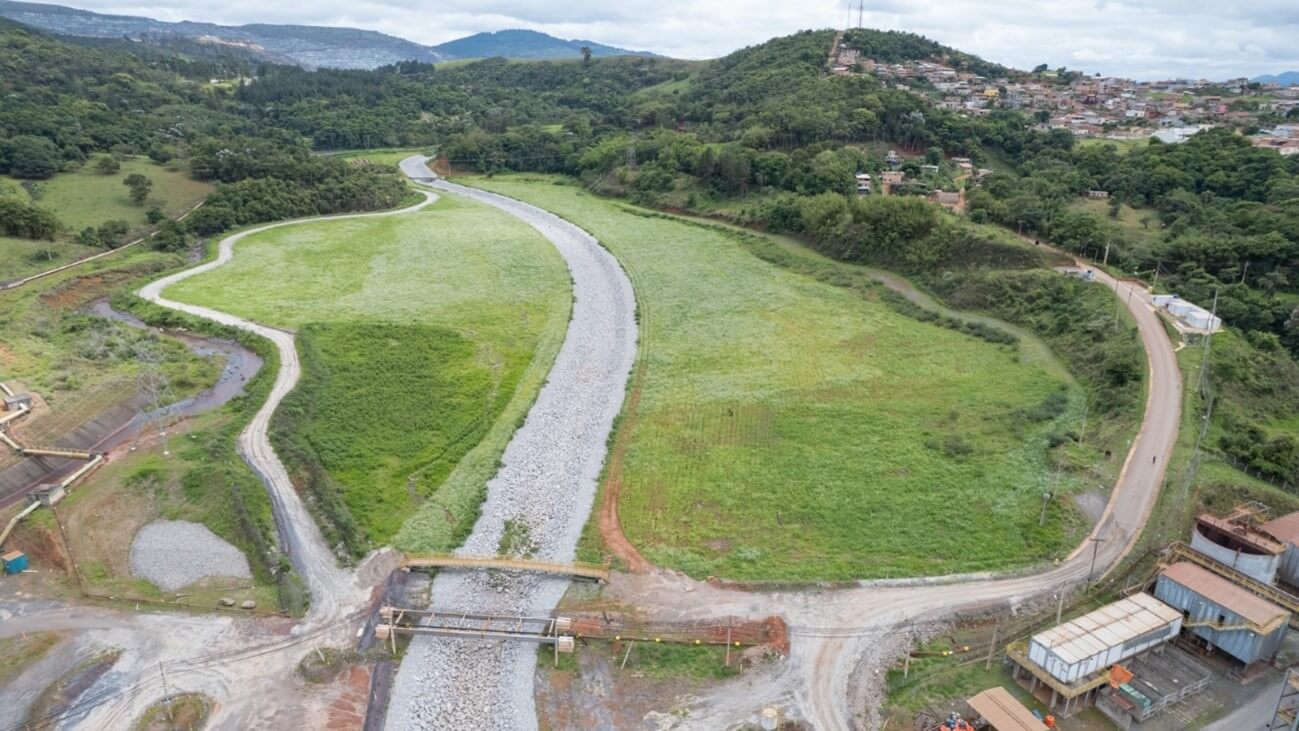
(303,45)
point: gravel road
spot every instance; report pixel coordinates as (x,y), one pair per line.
(547,482)
(333,590)
(175,553)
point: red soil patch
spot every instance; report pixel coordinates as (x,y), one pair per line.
(610,527)
(347,712)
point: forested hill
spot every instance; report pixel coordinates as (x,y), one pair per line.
(891,46)
(64,103)
(525,44)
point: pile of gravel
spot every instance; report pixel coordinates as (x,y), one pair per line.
(175,553)
(547,481)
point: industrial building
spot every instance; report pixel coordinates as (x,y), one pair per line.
(1286,530)
(1074,659)
(1223,615)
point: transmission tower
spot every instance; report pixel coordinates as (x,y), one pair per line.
(160,400)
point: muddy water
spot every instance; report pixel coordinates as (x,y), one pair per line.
(241,364)
(122,422)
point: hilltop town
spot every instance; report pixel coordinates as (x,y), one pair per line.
(1094,107)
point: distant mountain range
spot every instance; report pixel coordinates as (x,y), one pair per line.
(304,45)
(1287,78)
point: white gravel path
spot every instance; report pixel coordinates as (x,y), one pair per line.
(175,553)
(548,480)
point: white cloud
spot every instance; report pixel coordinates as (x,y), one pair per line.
(1145,39)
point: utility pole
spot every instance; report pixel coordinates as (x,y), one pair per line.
(1046,500)
(1059,608)
(987,664)
(1096,544)
(166,693)
(861,6)
(1106,260)
(1155,283)
(1244,272)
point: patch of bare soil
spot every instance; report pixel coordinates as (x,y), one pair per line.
(104,520)
(610,527)
(347,711)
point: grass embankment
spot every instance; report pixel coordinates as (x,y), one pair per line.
(425,337)
(790,429)
(181,712)
(86,197)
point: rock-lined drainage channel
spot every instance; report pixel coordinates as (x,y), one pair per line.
(547,483)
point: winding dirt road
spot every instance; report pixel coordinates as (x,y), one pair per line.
(333,590)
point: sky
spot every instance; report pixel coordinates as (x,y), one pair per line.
(1154,39)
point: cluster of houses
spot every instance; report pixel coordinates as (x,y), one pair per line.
(1094,106)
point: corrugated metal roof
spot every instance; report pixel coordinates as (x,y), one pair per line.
(1003,712)
(1225,594)
(1244,534)
(1109,626)
(1285,528)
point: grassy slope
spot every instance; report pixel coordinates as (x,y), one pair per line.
(457,267)
(84,198)
(788,429)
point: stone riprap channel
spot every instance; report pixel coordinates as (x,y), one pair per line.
(172,554)
(547,483)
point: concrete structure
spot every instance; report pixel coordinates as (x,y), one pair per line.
(1223,615)
(1002,712)
(1236,544)
(49,494)
(1093,642)
(1159,679)
(1286,530)
(18,401)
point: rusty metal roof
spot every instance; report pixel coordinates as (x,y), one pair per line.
(1110,626)
(1285,528)
(1249,537)
(1000,709)
(1237,599)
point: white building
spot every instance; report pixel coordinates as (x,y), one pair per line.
(1193,316)
(1095,641)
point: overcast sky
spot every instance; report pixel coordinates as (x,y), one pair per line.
(1151,39)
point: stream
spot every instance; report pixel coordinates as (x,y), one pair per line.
(123,422)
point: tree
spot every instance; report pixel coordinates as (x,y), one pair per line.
(586,55)
(140,187)
(154,215)
(170,237)
(108,165)
(112,233)
(33,158)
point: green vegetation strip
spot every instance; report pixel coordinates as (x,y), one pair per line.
(790,430)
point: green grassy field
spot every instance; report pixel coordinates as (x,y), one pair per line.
(789,429)
(425,337)
(84,197)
